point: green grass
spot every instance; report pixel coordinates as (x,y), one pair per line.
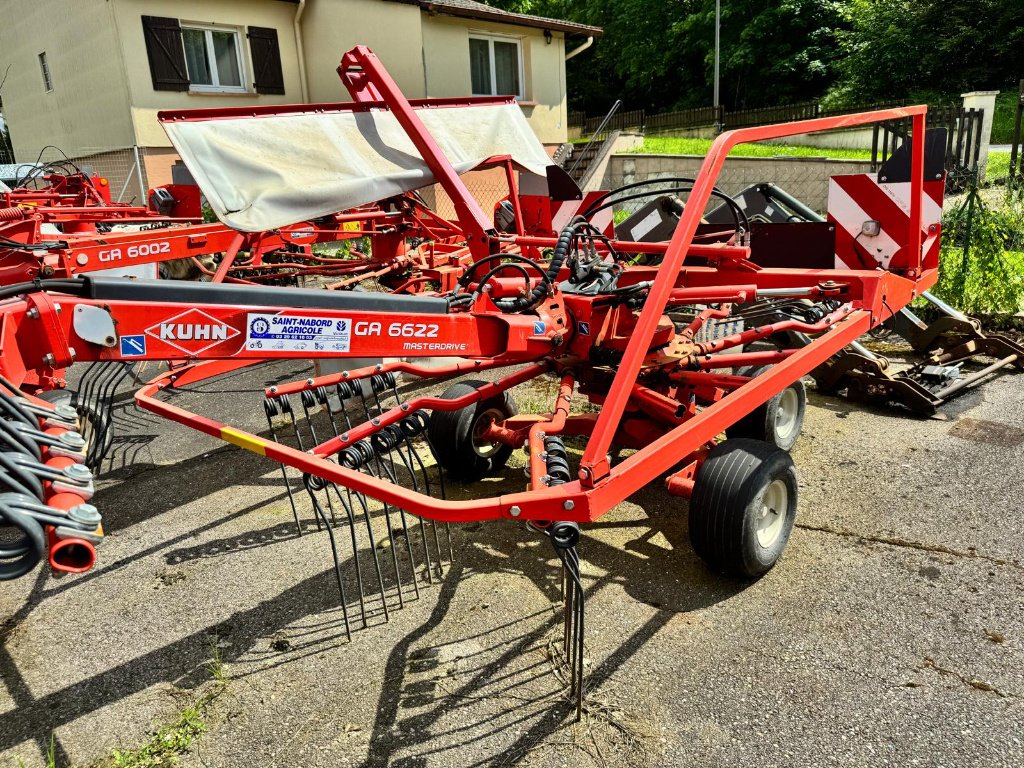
(1003,119)
(170,741)
(998,166)
(674,145)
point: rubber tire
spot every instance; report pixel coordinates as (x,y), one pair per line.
(759,424)
(725,506)
(450,434)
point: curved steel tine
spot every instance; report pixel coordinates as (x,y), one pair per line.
(337,564)
(284,475)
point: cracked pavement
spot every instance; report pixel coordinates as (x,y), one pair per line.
(891,633)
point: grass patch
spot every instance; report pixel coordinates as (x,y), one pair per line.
(170,740)
(676,145)
(175,738)
(1003,118)
(981,266)
(998,166)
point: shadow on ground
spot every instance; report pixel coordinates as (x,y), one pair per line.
(645,571)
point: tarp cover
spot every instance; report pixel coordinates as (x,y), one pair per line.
(259,173)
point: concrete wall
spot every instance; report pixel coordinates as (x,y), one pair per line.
(239,14)
(804,178)
(88,106)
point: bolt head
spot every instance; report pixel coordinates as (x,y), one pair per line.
(72,439)
(78,472)
(86,514)
(344,438)
(568,505)
(515,511)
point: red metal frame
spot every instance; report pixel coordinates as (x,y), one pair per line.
(657,397)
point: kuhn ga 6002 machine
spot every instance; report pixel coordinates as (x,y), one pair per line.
(566,301)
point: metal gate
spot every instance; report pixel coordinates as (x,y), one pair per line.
(963,141)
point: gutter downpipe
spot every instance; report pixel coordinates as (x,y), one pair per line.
(303,86)
(580,49)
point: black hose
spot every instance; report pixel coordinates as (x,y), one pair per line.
(73,287)
(636,185)
(523,303)
(734,208)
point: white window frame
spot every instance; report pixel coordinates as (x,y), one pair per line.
(44,65)
(491,40)
(211,59)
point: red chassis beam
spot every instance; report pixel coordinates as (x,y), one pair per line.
(595,463)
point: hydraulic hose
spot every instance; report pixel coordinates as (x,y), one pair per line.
(523,303)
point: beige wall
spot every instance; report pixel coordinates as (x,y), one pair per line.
(446,62)
(88,107)
(390,30)
(146,102)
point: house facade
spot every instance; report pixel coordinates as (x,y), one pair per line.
(88,76)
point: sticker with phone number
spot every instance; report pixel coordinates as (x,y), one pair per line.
(297,334)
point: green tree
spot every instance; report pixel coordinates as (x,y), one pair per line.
(927,48)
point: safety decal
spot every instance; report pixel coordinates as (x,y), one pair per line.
(133,346)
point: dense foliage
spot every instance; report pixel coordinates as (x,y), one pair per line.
(981,269)
(658,54)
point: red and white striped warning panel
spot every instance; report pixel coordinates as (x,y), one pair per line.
(873,222)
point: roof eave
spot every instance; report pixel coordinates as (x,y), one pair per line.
(519,20)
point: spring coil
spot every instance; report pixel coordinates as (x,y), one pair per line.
(12,214)
(277,405)
(557,460)
(19,555)
(382,382)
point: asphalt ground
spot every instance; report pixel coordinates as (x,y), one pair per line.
(891,632)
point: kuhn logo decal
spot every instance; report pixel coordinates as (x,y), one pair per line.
(193,331)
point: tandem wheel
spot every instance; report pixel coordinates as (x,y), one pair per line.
(743,506)
(456,436)
(777,422)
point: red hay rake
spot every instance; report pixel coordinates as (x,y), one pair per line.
(638,343)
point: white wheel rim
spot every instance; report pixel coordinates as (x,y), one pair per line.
(485,449)
(787,412)
(774,508)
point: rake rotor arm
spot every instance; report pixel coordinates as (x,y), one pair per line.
(368,81)
(595,463)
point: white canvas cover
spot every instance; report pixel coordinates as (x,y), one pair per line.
(259,173)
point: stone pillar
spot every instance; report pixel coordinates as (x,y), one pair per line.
(985,100)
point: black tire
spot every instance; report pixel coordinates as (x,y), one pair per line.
(451,434)
(729,527)
(779,420)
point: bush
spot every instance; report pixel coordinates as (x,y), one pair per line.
(1004,117)
(981,268)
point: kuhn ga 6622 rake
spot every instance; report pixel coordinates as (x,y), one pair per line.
(572,305)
